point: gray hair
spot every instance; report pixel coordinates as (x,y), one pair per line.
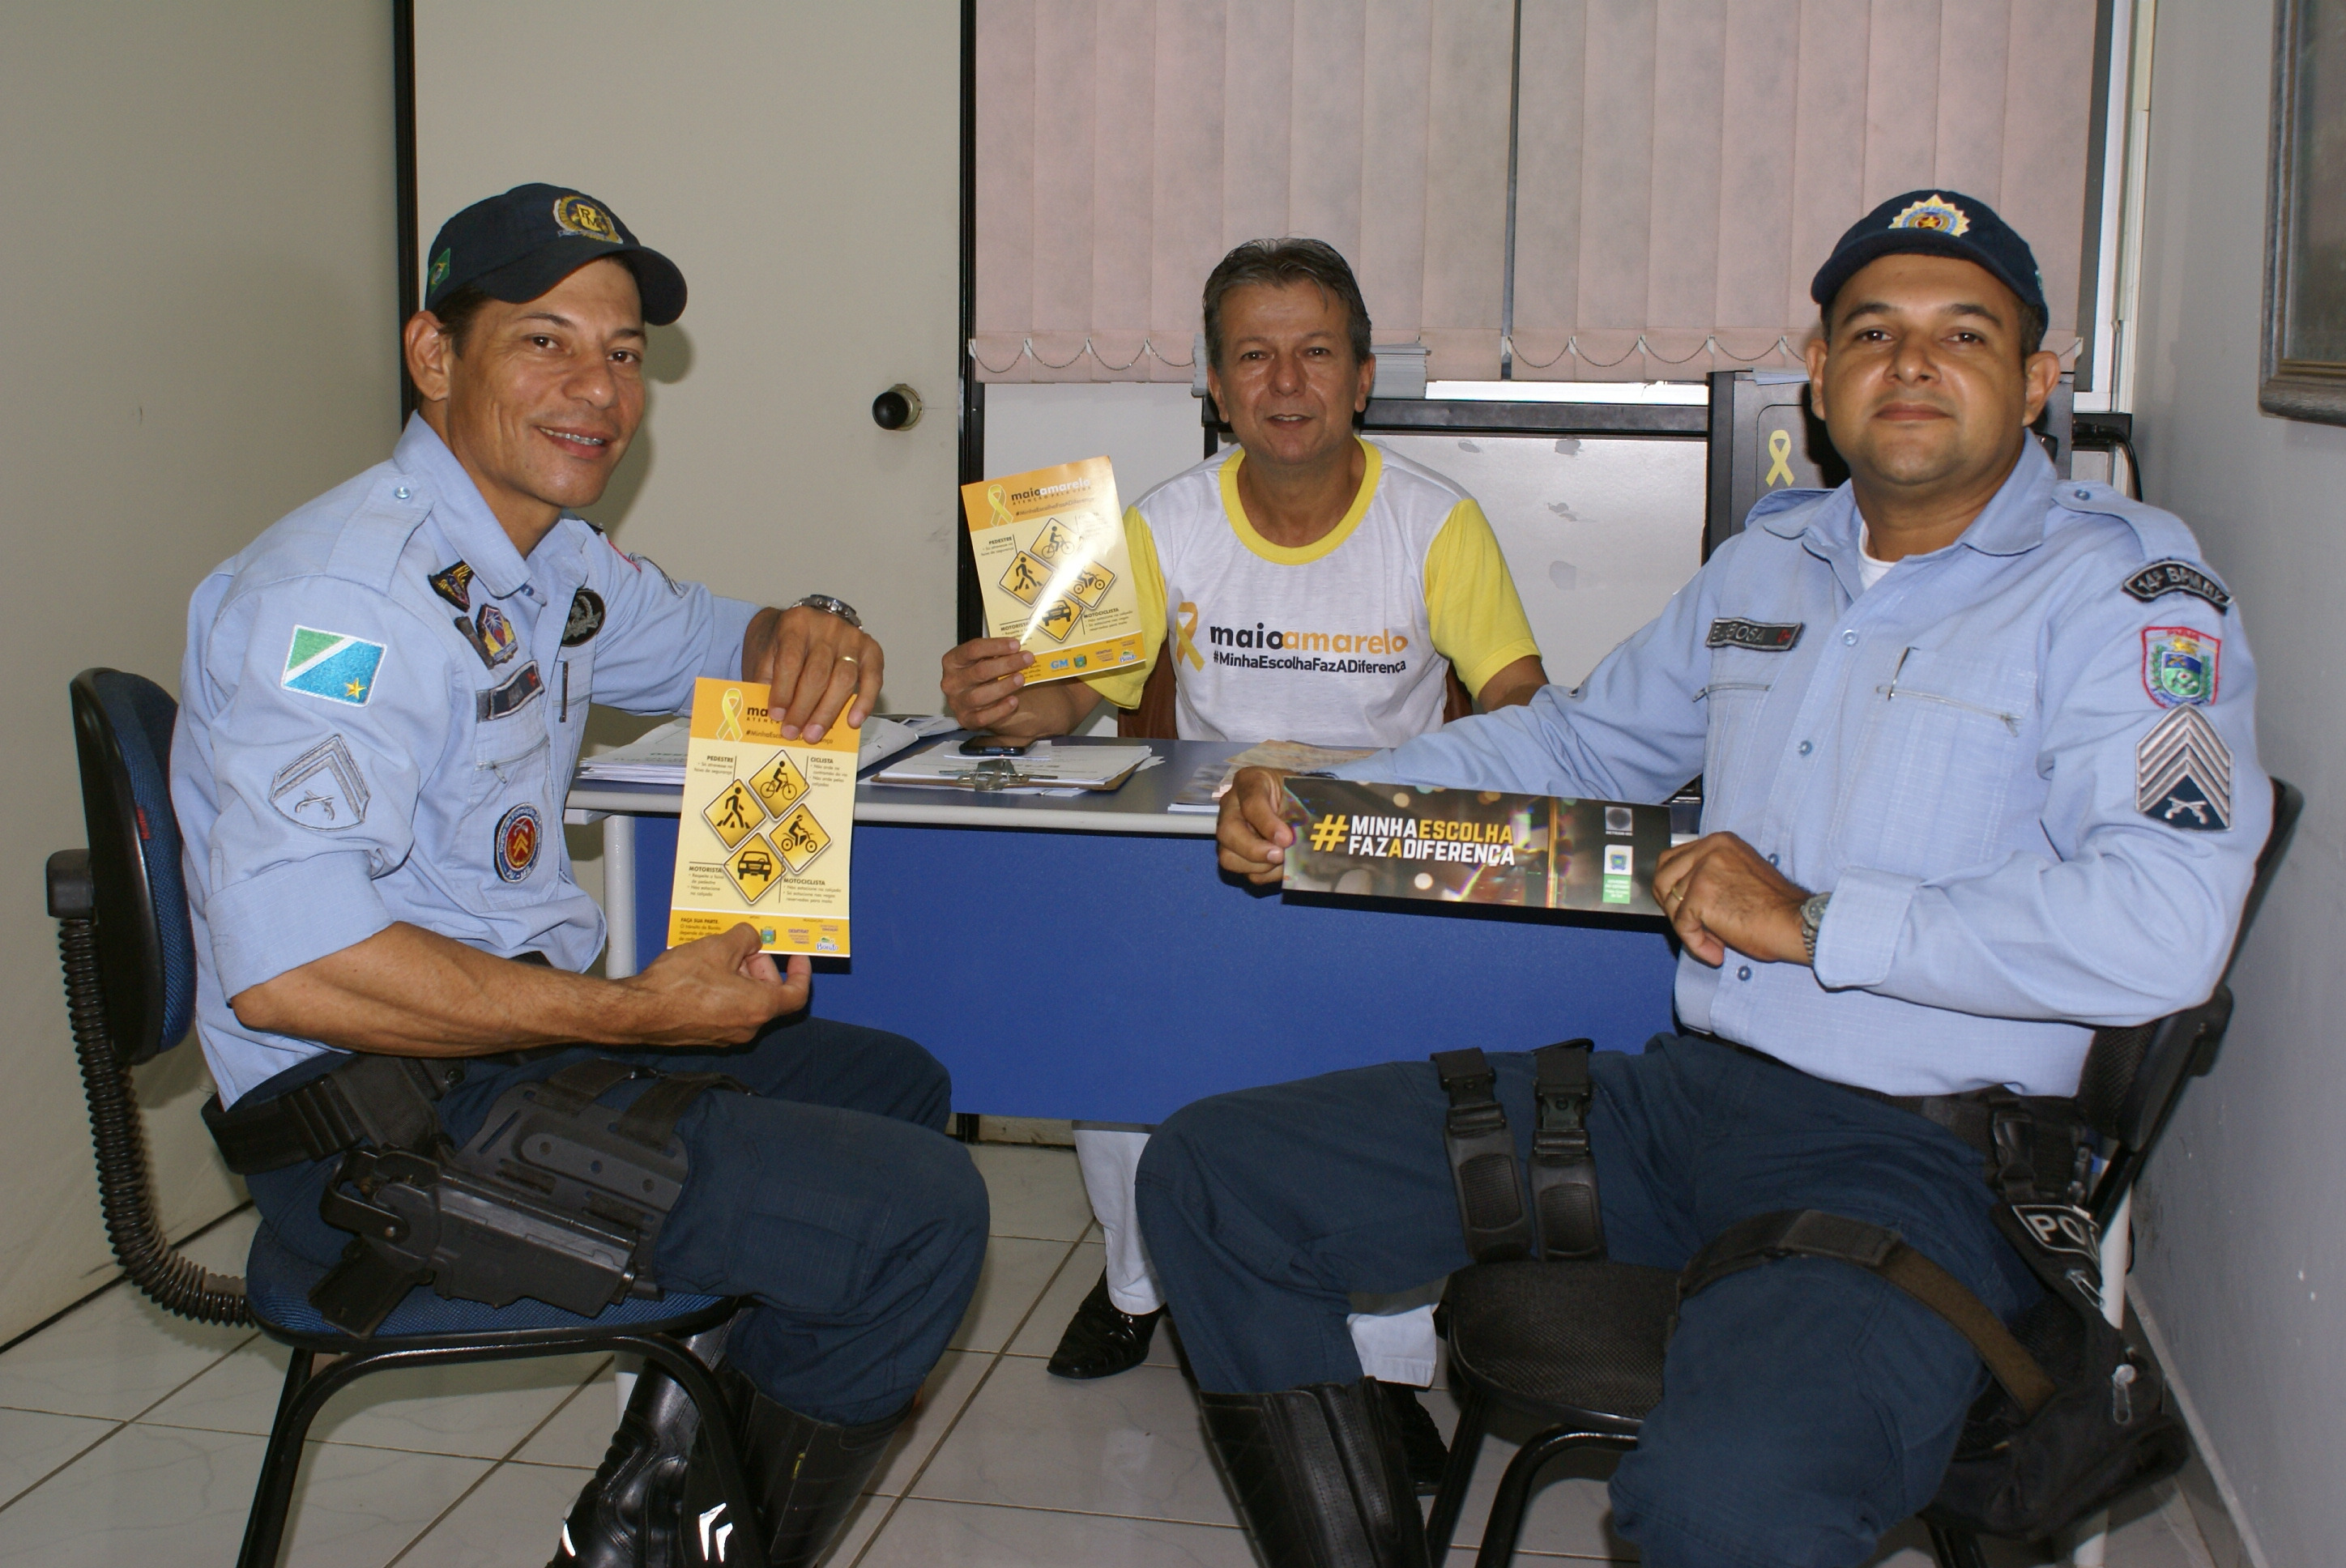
(1280,262)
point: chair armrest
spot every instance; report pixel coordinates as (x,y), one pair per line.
(72,895)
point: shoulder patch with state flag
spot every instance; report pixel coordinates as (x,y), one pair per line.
(335,665)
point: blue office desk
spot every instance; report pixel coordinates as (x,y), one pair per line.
(1085,958)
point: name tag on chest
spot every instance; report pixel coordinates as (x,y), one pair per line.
(1760,636)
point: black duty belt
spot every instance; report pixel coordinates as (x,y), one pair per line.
(2031,1144)
(369,1100)
(387,1102)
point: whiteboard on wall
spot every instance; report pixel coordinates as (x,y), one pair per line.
(1598,532)
(801,165)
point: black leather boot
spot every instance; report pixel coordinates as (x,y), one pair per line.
(1102,1339)
(1320,1476)
(1422,1447)
(805,1474)
(626,1516)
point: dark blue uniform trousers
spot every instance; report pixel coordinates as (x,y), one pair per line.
(829,1194)
(1810,1405)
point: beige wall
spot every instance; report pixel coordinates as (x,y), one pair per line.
(800,162)
(2240,1221)
(198,316)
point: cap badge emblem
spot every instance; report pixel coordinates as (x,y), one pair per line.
(440,265)
(1934,213)
(576,215)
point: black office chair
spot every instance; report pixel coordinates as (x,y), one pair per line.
(1579,1346)
(121,909)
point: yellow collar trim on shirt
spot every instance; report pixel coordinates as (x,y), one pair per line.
(1299,554)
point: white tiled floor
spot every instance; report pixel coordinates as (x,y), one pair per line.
(129,1439)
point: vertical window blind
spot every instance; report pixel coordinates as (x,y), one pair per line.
(1679,166)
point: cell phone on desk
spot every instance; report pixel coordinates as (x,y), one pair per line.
(994,746)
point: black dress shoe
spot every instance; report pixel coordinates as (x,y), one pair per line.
(1421,1446)
(1102,1339)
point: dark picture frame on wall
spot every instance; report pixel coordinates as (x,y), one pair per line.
(2304,368)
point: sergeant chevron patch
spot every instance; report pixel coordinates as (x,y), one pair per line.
(2183,773)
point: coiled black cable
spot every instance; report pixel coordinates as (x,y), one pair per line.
(177,1284)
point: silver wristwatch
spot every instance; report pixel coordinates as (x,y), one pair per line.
(831,607)
(1812,915)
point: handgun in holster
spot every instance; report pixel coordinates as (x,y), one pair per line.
(557,1197)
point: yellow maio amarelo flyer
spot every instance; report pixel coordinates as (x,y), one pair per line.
(766,826)
(1050,556)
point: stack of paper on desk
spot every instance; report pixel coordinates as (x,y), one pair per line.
(1076,766)
(657,757)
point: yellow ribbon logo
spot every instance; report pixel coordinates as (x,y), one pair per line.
(1186,645)
(999,499)
(1780,447)
(729,721)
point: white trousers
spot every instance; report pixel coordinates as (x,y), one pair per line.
(1392,1335)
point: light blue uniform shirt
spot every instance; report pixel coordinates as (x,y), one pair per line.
(358,746)
(1955,755)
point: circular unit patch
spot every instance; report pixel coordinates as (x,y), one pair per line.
(518,833)
(586,617)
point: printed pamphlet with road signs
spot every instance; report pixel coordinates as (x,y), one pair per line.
(1475,846)
(1052,561)
(765,828)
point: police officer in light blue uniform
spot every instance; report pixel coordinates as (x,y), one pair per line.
(1980,770)
(382,700)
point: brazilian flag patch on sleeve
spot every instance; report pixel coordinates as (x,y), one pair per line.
(332,665)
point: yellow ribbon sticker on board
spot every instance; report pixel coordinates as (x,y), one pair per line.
(728,726)
(1780,447)
(999,499)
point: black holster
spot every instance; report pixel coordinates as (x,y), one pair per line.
(1564,1222)
(557,1198)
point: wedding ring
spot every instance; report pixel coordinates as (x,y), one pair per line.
(849,659)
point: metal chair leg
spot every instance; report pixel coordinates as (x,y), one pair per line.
(1458,1474)
(307,1389)
(1505,1525)
(1956,1548)
(716,1426)
(272,1495)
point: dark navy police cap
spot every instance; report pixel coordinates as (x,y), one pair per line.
(1935,224)
(516,246)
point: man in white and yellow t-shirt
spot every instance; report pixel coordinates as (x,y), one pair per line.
(1312,585)
(1307,586)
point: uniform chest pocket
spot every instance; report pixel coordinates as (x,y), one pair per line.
(1941,751)
(1739,683)
(506,837)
